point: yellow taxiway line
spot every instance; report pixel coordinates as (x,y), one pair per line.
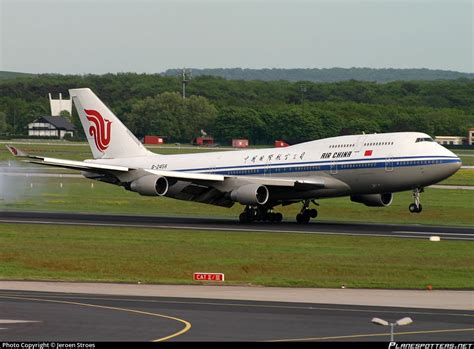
(186,328)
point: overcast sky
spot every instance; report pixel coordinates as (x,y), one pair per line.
(82,36)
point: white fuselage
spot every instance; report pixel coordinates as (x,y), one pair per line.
(372,163)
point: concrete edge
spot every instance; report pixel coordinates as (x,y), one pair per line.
(453,300)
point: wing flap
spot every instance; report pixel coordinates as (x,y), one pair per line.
(317,182)
(312,183)
(188,176)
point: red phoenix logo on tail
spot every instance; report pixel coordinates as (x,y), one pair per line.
(99,129)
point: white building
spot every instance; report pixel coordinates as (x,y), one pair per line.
(50,126)
(450,140)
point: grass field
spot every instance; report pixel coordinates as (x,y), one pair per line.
(466,155)
(441,207)
(467,160)
(462,177)
(36,252)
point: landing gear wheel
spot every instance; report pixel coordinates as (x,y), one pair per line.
(259,214)
(416,206)
(278,217)
(306,214)
(414,209)
(245,217)
(303,218)
(248,216)
(271,217)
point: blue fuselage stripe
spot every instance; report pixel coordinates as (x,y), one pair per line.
(331,165)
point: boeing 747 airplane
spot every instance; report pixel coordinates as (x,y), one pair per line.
(368,168)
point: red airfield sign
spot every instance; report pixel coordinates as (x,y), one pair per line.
(208,276)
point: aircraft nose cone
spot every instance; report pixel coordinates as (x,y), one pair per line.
(454,166)
(456,163)
(459,163)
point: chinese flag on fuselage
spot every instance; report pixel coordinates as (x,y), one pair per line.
(368,153)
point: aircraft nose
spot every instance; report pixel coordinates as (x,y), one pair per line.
(453,164)
(459,165)
(458,162)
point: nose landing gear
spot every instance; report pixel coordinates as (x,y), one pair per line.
(306,214)
(416,206)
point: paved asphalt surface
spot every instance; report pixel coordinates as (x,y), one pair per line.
(214,224)
(73,317)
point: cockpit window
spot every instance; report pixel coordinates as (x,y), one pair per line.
(427,139)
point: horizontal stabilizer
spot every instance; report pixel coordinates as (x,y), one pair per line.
(16,152)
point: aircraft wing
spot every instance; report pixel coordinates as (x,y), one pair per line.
(192,177)
(72,164)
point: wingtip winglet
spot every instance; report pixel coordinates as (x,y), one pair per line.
(15,151)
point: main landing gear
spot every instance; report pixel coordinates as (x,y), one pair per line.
(306,214)
(416,206)
(259,213)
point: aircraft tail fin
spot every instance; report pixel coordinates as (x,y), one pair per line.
(108,137)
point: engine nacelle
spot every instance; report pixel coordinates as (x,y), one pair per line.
(150,185)
(251,194)
(374,200)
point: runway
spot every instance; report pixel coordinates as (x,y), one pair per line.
(232,225)
(47,316)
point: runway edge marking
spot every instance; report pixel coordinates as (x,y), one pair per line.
(187,325)
(245,230)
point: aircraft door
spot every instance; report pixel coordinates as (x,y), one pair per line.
(389,163)
(267,169)
(215,164)
(334,167)
(360,143)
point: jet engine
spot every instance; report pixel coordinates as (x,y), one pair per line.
(150,185)
(250,194)
(374,200)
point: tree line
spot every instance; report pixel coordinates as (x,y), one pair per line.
(261,111)
(327,74)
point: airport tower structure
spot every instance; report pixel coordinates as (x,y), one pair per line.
(58,105)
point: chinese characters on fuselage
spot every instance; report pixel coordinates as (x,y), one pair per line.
(276,157)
